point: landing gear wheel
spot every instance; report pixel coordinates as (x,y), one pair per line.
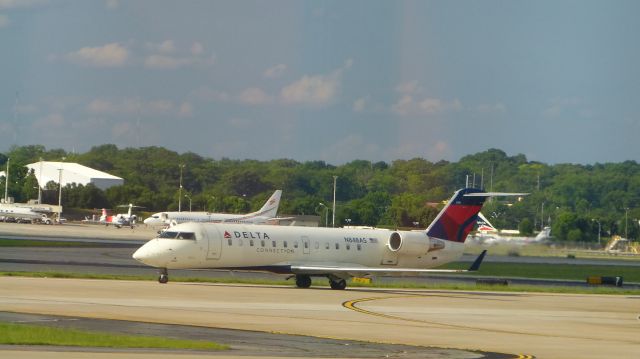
(339,284)
(303,281)
(164,276)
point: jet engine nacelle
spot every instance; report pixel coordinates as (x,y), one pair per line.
(409,243)
(413,243)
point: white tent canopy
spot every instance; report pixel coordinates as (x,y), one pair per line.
(72,173)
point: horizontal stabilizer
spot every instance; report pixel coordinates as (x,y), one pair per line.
(494,194)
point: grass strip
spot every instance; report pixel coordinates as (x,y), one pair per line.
(552,271)
(23,334)
(319,282)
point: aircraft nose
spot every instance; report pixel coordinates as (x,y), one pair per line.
(147,254)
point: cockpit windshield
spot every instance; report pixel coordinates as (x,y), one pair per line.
(177,235)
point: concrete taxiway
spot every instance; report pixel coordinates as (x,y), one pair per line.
(543,325)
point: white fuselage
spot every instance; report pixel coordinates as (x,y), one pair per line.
(165,218)
(275,248)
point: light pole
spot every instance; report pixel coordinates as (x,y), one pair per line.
(333,213)
(6,182)
(40,183)
(326,214)
(599,229)
(626,228)
(186,195)
(542,217)
(180,190)
(60,189)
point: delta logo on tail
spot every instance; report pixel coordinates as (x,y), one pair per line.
(484,226)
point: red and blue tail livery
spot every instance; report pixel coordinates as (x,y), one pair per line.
(459,216)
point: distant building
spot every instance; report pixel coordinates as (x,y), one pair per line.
(72,173)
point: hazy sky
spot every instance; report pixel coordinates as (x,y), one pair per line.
(558,81)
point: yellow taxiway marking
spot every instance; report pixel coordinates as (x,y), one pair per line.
(351,304)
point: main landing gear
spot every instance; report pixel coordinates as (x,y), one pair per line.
(164,276)
(338,284)
(304,281)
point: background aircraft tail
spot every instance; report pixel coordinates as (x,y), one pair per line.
(270,208)
(484,225)
(458,217)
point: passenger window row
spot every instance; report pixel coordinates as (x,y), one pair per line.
(285,244)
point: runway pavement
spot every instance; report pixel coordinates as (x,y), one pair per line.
(543,325)
(76,231)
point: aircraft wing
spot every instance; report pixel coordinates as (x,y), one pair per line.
(355,270)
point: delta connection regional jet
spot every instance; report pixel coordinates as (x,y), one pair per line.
(305,252)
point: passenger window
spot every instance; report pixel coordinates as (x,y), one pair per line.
(348,246)
(326,245)
(251,242)
(240,242)
(229,241)
(295,244)
(262,243)
(337,245)
(273,244)
(306,245)
(285,244)
(359,246)
(317,245)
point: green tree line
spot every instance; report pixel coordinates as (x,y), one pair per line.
(576,200)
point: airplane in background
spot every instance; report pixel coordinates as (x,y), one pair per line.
(305,252)
(22,212)
(120,219)
(486,233)
(263,215)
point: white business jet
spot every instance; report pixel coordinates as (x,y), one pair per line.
(263,215)
(335,253)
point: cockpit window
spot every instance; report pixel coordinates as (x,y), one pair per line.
(186,235)
(167,234)
(178,235)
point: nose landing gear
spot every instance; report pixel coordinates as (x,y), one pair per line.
(164,276)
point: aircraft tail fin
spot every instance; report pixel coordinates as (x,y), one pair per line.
(484,225)
(270,207)
(457,218)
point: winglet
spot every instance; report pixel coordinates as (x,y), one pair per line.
(476,264)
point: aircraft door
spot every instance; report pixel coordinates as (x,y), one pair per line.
(389,258)
(306,245)
(215,244)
